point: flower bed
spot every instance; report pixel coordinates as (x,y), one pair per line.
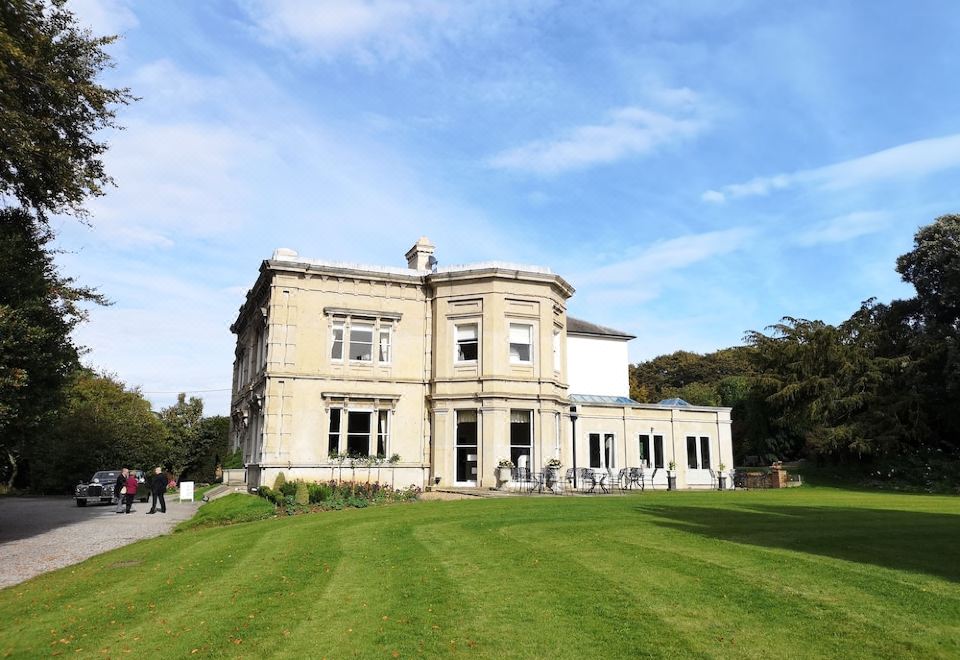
(302,497)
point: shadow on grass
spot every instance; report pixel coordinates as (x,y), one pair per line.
(903,540)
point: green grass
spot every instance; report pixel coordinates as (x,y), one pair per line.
(228,510)
(798,573)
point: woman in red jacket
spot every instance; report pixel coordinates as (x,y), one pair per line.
(131,492)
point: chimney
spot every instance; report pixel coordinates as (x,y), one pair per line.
(420,256)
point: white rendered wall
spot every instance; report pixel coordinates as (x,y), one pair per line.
(597,366)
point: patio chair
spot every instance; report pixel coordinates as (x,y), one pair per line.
(635,478)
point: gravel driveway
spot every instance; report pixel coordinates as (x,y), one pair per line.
(40,534)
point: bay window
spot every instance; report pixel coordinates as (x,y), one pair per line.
(521,343)
(468,342)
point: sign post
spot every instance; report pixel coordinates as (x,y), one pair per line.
(186,490)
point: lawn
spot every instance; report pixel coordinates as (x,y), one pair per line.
(804,572)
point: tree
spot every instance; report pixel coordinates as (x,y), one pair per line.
(933,268)
(51,105)
(183,422)
(213,445)
(102,425)
(38,310)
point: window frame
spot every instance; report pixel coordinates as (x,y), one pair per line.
(457,342)
(517,449)
(510,344)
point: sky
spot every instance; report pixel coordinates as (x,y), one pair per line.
(694,169)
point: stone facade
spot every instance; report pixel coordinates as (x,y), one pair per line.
(447,370)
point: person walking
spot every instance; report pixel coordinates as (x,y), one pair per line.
(118,488)
(131,487)
(158,486)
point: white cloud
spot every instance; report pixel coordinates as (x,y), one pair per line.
(911,160)
(844,228)
(104,16)
(650,264)
(630,131)
(375,31)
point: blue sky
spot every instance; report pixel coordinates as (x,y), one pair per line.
(694,169)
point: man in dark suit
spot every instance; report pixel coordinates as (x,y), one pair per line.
(158,486)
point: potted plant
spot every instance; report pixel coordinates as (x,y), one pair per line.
(504,472)
(721,477)
(553,472)
(672,475)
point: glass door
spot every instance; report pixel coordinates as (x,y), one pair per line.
(466,448)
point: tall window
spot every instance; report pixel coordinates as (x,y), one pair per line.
(645,450)
(361,342)
(336,350)
(383,343)
(556,350)
(521,436)
(383,432)
(521,343)
(658,451)
(602,450)
(333,441)
(466,438)
(468,343)
(698,460)
(358,432)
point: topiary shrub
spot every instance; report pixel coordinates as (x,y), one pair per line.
(279,482)
(302,495)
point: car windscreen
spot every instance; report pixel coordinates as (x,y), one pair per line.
(104,477)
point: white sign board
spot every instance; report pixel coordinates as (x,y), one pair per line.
(186,490)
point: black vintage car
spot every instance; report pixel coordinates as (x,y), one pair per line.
(101,484)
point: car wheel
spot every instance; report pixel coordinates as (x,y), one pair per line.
(81,503)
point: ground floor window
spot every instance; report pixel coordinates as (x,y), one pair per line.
(363,437)
(698,460)
(658,451)
(466,450)
(602,454)
(656,458)
(521,437)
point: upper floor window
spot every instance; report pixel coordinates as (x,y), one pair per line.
(468,343)
(521,343)
(336,352)
(556,350)
(383,343)
(363,336)
(361,342)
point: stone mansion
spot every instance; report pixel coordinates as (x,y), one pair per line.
(451,369)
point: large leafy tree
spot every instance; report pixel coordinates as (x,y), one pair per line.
(184,423)
(38,309)
(51,107)
(101,425)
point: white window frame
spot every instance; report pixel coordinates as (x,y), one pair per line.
(457,328)
(556,350)
(358,327)
(605,440)
(700,443)
(514,333)
(341,325)
(530,439)
(384,348)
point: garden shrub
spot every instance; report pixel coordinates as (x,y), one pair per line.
(279,482)
(302,495)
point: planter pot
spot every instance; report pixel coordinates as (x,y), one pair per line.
(553,476)
(722,482)
(671,481)
(503,477)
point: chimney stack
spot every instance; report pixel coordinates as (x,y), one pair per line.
(420,256)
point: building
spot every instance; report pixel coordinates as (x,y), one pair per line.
(448,370)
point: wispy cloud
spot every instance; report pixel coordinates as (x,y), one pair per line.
(104,16)
(844,228)
(911,160)
(668,255)
(631,131)
(377,31)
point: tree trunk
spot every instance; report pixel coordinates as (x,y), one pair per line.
(13,464)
